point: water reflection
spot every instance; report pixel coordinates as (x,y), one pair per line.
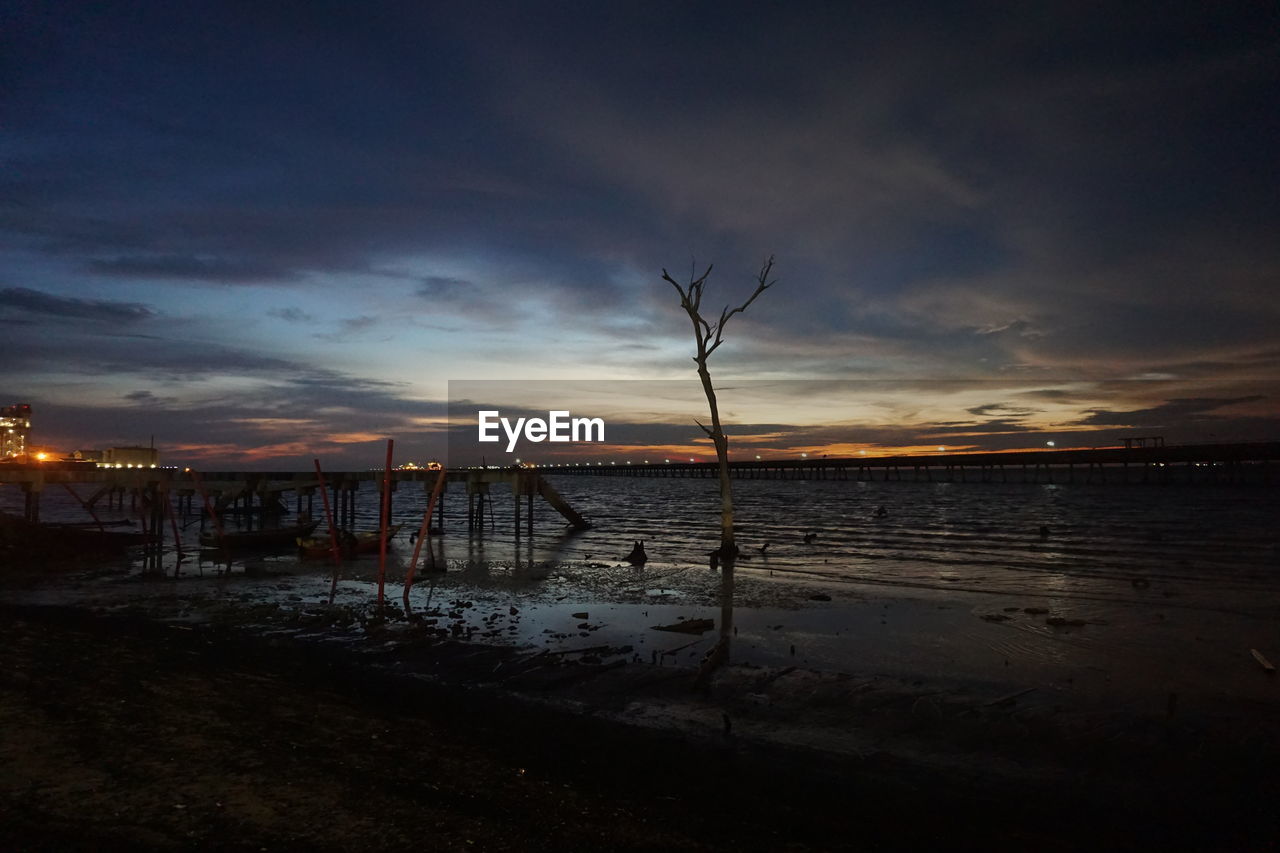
(720,653)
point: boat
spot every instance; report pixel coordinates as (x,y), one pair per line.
(266,537)
(19,538)
(364,542)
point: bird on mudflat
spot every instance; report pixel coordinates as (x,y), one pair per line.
(809,537)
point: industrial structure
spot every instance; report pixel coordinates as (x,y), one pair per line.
(15,423)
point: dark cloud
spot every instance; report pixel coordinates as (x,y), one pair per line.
(290,315)
(988,408)
(222,270)
(37,302)
(149,399)
(1171,413)
(468,300)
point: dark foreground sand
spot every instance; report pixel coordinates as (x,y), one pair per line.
(120,731)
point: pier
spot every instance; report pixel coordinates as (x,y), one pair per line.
(256,495)
(1232,464)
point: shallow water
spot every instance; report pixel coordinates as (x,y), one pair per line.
(1174,584)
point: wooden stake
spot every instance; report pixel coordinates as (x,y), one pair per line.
(173,523)
(209,507)
(424,532)
(382,536)
(333,531)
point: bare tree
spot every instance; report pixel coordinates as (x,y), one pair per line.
(709,336)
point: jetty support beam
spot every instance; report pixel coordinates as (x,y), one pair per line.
(551,496)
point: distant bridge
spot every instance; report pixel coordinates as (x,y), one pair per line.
(1190,463)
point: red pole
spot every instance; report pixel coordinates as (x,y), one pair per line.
(86,505)
(333,530)
(208,507)
(424,532)
(382,538)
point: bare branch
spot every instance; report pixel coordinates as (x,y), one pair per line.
(762,284)
(709,433)
(683,296)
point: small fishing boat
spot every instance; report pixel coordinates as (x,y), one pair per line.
(364,542)
(264,538)
(19,537)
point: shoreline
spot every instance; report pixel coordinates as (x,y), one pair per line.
(632,732)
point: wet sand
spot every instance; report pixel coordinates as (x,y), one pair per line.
(243,710)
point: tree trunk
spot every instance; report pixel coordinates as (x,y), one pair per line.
(728,545)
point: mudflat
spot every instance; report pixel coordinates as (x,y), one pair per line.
(124,730)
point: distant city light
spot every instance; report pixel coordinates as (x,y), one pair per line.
(1050,443)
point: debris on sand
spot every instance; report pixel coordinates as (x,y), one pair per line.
(995,617)
(637,555)
(1063,622)
(1263,662)
(688,626)
(1010,698)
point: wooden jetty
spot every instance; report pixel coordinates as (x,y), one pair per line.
(256,495)
(1234,464)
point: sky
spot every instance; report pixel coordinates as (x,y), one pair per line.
(268,232)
